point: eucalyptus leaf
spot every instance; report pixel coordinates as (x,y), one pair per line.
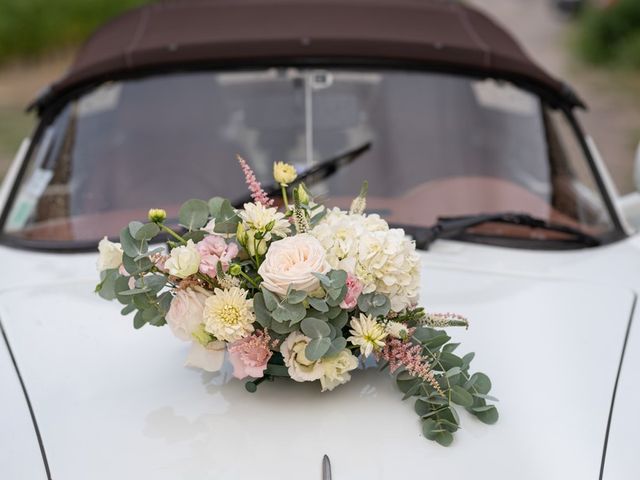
(270,299)
(138,320)
(460,396)
(107,287)
(193,214)
(146,231)
(263,315)
(319,304)
(316,348)
(296,296)
(315,328)
(480,382)
(130,245)
(489,416)
(338,344)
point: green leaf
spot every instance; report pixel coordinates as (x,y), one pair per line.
(466,360)
(485,397)
(134,291)
(270,300)
(315,328)
(136,267)
(138,320)
(296,296)
(450,347)
(444,438)
(460,396)
(317,348)
(324,280)
(262,314)
(480,382)
(338,344)
(423,408)
(121,285)
(453,371)
(224,214)
(195,236)
(489,416)
(130,245)
(134,227)
(413,391)
(155,282)
(338,278)
(107,287)
(449,360)
(340,321)
(128,309)
(431,429)
(146,231)
(319,304)
(193,214)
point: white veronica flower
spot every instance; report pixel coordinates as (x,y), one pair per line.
(110,255)
(184,260)
(383,259)
(228,314)
(367,334)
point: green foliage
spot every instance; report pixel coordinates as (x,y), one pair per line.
(437,411)
(374,304)
(611,36)
(31,27)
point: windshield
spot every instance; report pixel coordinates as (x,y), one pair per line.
(442,145)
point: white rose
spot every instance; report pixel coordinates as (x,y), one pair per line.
(209,358)
(301,369)
(292,261)
(335,370)
(110,255)
(186,312)
(184,260)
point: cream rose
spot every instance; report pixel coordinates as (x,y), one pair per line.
(186,312)
(301,369)
(335,370)
(110,255)
(291,262)
(184,260)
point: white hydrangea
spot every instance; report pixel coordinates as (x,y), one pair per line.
(383,259)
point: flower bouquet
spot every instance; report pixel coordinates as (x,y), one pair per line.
(302,292)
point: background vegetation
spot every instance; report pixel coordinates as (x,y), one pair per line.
(611,36)
(33,27)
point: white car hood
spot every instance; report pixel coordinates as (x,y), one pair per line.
(112,402)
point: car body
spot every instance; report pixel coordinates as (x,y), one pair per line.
(461,122)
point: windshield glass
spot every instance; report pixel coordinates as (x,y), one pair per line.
(442,145)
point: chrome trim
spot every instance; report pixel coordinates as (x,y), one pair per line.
(326,468)
(12,173)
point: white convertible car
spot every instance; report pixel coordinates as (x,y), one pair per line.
(473,149)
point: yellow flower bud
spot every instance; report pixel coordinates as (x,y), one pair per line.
(284,173)
(303,196)
(157,215)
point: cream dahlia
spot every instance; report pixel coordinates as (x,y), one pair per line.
(228,314)
(367,334)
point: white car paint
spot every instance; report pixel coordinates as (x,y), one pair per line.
(548,327)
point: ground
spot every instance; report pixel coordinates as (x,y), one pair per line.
(613,118)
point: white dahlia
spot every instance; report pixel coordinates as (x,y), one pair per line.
(383,259)
(266,220)
(228,314)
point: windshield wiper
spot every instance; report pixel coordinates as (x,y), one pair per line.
(318,172)
(451,227)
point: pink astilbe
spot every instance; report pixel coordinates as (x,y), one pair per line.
(249,356)
(402,353)
(257,193)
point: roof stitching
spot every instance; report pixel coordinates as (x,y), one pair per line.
(142,25)
(475,36)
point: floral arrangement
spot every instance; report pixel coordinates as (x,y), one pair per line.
(303,292)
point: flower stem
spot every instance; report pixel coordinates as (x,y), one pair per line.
(284,197)
(171,232)
(249,279)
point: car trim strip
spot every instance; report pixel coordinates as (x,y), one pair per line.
(26,397)
(615,386)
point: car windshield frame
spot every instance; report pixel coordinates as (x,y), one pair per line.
(49,115)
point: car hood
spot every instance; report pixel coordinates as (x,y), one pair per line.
(112,402)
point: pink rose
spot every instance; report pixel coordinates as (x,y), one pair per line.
(213,250)
(249,356)
(354,289)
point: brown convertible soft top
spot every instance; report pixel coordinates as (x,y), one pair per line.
(176,34)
